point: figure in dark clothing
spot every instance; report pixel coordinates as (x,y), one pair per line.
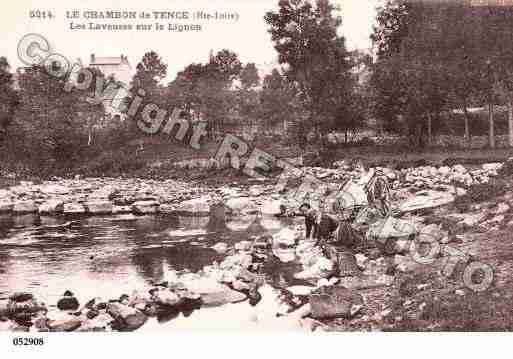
(327,230)
(336,238)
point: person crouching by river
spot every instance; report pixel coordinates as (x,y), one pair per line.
(332,235)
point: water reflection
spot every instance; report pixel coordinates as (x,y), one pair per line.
(109,256)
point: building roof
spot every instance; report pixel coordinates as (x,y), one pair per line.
(106,61)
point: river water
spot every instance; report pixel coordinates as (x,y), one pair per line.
(109,256)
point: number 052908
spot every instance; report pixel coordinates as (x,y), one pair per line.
(27,341)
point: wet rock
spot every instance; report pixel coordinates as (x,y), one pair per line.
(21,297)
(272,207)
(99,323)
(427,199)
(68,302)
(469,219)
(27,307)
(243,246)
(10,326)
(4,307)
(126,318)
(367,281)
(333,302)
(6,206)
(21,207)
(194,207)
(405,264)
(286,237)
(220,248)
(74,209)
(241,260)
(145,207)
(121,209)
(321,268)
(240,286)
(99,207)
(64,323)
(300,290)
(213,293)
(502,208)
(54,189)
(166,297)
(361,260)
(241,206)
(51,207)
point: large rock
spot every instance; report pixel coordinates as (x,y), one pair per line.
(54,189)
(126,318)
(6,206)
(321,267)
(99,323)
(99,207)
(391,228)
(68,302)
(212,292)
(220,247)
(272,207)
(64,323)
(74,208)
(194,207)
(21,207)
(333,302)
(241,205)
(287,237)
(166,298)
(51,207)
(145,207)
(426,199)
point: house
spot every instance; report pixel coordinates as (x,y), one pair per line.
(118,67)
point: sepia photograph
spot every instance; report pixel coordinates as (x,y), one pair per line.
(305,166)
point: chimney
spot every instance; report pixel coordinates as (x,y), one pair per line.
(92,58)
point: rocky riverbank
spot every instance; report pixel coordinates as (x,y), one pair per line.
(445,205)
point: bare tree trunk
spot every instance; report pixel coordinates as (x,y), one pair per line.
(430,129)
(510,120)
(467,124)
(491,132)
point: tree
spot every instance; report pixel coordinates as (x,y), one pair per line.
(49,130)
(249,76)
(306,39)
(8,96)
(206,90)
(151,70)
(280,105)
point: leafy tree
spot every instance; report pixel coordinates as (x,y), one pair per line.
(206,90)
(306,39)
(249,76)
(150,71)
(8,96)
(49,131)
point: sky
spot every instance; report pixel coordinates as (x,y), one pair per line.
(247,37)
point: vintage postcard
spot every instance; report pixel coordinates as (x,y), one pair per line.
(261,165)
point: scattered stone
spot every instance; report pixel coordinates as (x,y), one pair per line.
(20,297)
(194,207)
(220,247)
(126,318)
(66,323)
(51,207)
(21,207)
(332,302)
(74,208)
(99,207)
(145,207)
(68,302)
